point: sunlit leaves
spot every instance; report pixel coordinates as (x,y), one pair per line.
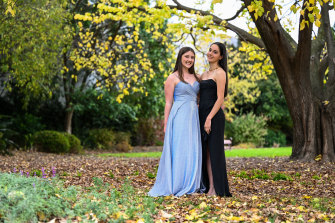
(10,7)
(309,10)
(33,53)
(257,8)
(120,59)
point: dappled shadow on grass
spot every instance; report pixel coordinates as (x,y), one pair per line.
(262,188)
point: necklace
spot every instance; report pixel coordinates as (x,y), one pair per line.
(214,69)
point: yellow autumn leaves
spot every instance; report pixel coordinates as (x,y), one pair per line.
(310,10)
(120,59)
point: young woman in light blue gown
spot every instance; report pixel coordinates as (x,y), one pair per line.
(179,170)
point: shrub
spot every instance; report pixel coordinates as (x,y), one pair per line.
(144,132)
(32,199)
(123,147)
(6,135)
(122,141)
(26,125)
(275,139)
(75,146)
(248,145)
(101,112)
(247,129)
(51,141)
(101,139)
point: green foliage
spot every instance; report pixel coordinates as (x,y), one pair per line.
(122,142)
(247,128)
(316,177)
(37,173)
(151,175)
(123,147)
(260,174)
(26,125)
(51,141)
(122,137)
(263,175)
(31,199)
(75,145)
(6,135)
(144,132)
(101,112)
(281,176)
(108,139)
(32,42)
(275,138)
(101,139)
(110,174)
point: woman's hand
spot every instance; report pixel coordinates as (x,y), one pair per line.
(207,126)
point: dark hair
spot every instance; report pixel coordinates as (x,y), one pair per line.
(179,67)
(223,63)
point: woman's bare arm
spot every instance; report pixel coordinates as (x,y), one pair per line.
(168,89)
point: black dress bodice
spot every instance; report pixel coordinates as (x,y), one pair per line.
(208,93)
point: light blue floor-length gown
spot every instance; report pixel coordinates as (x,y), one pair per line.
(179,170)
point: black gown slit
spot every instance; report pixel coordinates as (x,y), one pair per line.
(214,141)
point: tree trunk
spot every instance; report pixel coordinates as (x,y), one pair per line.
(68,118)
(313,121)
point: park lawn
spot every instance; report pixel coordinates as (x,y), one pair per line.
(259,152)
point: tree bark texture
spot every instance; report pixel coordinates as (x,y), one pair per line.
(68,119)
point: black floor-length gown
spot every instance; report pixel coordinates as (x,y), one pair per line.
(214,140)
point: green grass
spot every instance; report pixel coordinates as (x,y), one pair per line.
(260,152)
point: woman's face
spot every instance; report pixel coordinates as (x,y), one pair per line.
(213,54)
(187,59)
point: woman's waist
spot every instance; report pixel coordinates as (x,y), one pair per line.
(185,98)
(207,102)
(208,97)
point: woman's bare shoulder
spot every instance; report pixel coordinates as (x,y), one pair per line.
(220,73)
(173,77)
(201,76)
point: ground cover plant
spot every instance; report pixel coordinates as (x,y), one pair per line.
(49,199)
(264,189)
(259,152)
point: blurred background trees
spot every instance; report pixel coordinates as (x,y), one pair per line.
(84,66)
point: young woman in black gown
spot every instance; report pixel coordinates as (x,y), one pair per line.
(213,89)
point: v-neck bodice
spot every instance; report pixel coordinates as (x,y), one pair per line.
(185,91)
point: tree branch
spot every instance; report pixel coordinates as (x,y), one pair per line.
(237,13)
(318,68)
(330,44)
(304,38)
(244,35)
(194,42)
(323,66)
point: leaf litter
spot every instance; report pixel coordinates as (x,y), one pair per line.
(264,189)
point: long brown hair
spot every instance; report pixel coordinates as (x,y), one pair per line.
(223,63)
(179,67)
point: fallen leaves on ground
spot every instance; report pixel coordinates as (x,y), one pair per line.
(264,189)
